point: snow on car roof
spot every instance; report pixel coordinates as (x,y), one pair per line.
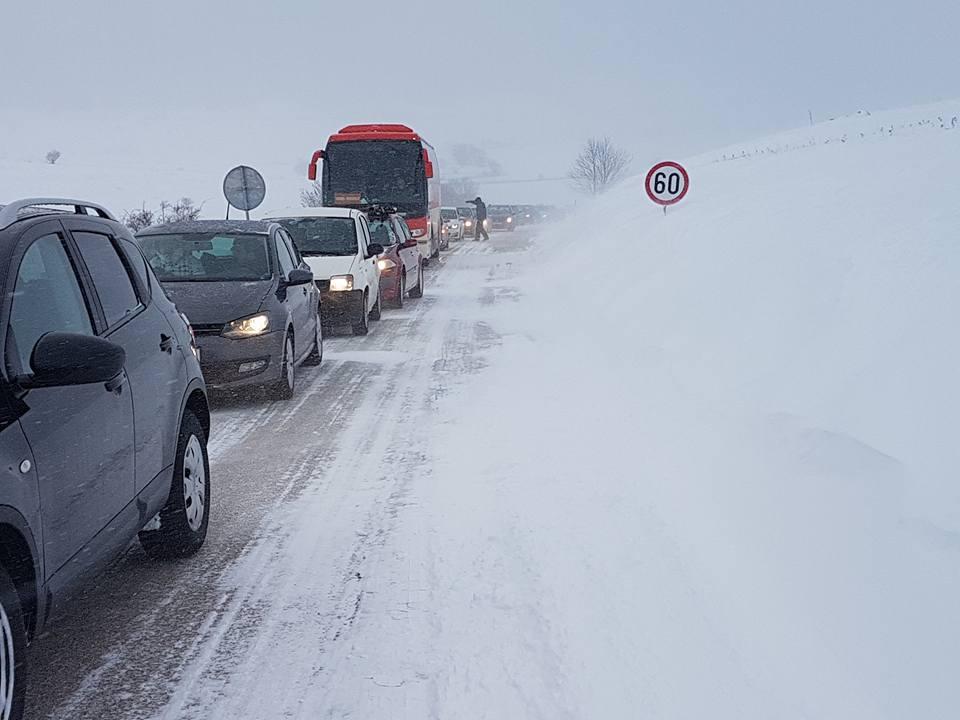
(187,227)
(311,212)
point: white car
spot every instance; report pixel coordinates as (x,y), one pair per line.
(451,227)
(336,244)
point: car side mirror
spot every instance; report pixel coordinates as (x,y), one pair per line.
(374,249)
(411,243)
(61,359)
(299,276)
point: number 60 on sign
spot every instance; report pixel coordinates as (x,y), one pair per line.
(667,183)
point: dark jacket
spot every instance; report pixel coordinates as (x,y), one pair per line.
(481,209)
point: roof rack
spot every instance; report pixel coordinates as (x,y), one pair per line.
(9,214)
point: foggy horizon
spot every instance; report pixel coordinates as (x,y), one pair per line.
(246,82)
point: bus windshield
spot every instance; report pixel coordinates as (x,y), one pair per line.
(376,172)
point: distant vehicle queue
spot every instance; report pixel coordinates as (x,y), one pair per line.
(127,335)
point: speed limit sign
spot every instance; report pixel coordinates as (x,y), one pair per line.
(667,183)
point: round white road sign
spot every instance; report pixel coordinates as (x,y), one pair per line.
(667,183)
(244,188)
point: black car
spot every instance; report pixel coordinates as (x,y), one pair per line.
(501,217)
(103,416)
(250,298)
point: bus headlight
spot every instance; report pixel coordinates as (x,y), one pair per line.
(417,232)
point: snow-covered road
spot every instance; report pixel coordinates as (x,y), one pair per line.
(307,494)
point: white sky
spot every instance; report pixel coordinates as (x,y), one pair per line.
(181,80)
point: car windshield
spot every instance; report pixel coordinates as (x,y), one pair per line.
(499,209)
(448,214)
(208,257)
(323,235)
(466,212)
(375,172)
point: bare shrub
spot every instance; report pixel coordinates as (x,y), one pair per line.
(599,166)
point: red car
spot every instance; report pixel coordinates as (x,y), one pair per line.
(401,263)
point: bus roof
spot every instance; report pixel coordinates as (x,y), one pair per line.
(353,133)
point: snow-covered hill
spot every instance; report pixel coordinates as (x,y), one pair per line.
(712,471)
(124,186)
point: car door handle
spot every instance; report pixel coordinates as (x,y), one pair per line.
(166,343)
(116,384)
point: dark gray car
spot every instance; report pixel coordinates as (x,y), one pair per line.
(103,416)
(248,294)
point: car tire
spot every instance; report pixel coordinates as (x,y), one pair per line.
(377,311)
(13,645)
(186,516)
(362,326)
(285,386)
(417,292)
(401,289)
(316,355)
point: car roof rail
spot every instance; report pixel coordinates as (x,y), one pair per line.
(11,213)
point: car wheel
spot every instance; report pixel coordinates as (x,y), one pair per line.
(316,355)
(377,310)
(362,326)
(417,292)
(185,517)
(284,387)
(13,651)
(401,289)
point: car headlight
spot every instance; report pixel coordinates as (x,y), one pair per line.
(341,283)
(509,220)
(247,327)
(468,223)
(386,264)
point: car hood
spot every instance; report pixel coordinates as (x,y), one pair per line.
(208,303)
(326,266)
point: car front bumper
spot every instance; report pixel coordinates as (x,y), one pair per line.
(228,362)
(341,308)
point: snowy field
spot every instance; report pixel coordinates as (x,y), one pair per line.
(694,465)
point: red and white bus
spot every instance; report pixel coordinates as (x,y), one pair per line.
(384,165)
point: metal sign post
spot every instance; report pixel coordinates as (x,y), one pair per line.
(244,189)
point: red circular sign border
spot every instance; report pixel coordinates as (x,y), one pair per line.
(660,166)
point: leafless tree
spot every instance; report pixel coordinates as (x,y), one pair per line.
(53,156)
(599,166)
(183,209)
(313,196)
(137,220)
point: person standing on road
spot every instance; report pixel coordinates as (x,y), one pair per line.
(481,218)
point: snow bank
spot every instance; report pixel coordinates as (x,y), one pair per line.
(712,470)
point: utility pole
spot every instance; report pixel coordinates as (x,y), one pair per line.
(810,113)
